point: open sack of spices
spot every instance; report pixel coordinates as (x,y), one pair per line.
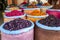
(12,7)
(48,28)
(10,15)
(49,23)
(18,29)
(55,10)
(36,15)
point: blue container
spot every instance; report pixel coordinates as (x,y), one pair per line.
(16,31)
(47,27)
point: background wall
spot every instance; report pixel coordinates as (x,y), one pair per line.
(19,1)
(9,2)
(44,1)
(16,1)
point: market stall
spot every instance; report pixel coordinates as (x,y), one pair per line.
(31,20)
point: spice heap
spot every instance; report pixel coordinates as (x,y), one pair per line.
(37,13)
(17,24)
(14,13)
(46,4)
(13,7)
(51,21)
(32,5)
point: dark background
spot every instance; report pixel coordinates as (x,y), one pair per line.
(3,5)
